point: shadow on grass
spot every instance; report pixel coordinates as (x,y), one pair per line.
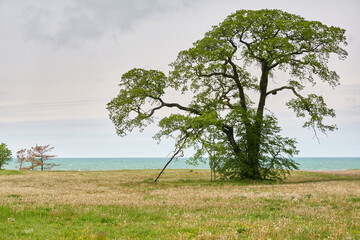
(296,177)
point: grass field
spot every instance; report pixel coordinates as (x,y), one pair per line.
(182,205)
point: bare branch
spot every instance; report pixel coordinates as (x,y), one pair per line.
(217,74)
(239,85)
(171,105)
(179,150)
(274,91)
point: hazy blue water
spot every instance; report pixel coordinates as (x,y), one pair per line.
(92,164)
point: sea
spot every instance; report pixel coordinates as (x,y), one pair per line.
(123,163)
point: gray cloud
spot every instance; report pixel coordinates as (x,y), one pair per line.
(51,52)
(71,23)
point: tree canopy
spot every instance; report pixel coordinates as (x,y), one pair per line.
(217,73)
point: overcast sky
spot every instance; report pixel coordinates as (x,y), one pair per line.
(61,62)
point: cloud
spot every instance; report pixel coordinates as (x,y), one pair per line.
(70,23)
(45,111)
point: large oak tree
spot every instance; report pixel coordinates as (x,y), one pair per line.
(239,134)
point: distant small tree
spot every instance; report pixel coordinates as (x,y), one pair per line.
(21,158)
(39,157)
(5,154)
(25,156)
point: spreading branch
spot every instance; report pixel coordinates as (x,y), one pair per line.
(274,91)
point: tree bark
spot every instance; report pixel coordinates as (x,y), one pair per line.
(254,131)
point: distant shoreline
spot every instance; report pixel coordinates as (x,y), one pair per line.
(103,164)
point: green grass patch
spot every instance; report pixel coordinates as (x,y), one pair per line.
(9,172)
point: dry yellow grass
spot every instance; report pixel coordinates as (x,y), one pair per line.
(135,188)
(268,210)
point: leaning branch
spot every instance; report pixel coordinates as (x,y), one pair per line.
(173,156)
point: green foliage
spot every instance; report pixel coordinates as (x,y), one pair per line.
(316,108)
(139,87)
(5,154)
(221,121)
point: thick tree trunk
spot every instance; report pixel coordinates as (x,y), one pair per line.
(252,170)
